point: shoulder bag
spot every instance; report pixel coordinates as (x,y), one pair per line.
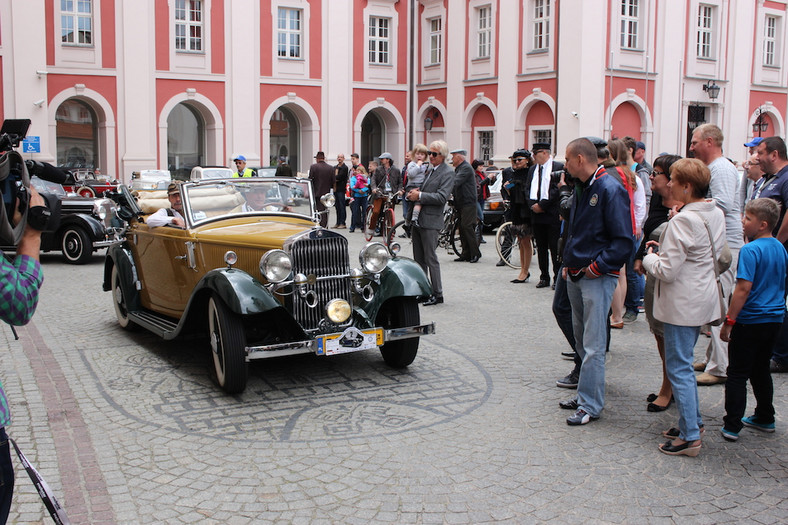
(718,264)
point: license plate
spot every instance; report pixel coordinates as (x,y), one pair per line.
(351,340)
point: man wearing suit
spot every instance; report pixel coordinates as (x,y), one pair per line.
(543,200)
(465,202)
(433,195)
(323,179)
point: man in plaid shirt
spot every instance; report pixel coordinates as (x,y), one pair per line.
(20,281)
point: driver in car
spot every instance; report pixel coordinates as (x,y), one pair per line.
(171,216)
(257,200)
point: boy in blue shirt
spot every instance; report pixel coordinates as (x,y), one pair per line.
(754,317)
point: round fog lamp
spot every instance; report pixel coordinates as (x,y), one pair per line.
(374,257)
(276,266)
(338,310)
(230,258)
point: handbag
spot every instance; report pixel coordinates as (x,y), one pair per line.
(718,263)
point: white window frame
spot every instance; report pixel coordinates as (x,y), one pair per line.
(479,145)
(189,32)
(78,22)
(704,37)
(484,24)
(379,40)
(630,24)
(541,25)
(293,38)
(543,134)
(772,27)
(435,39)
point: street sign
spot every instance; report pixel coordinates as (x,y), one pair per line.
(31,145)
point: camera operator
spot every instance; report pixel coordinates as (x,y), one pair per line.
(20,281)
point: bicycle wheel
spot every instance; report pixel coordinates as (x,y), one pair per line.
(369,229)
(507,243)
(387,228)
(454,238)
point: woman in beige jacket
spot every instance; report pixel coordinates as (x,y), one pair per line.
(685,294)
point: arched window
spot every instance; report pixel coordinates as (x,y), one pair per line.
(185,141)
(77,135)
(284,138)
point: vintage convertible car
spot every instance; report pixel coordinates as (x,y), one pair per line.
(84,226)
(87,184)
(260,284)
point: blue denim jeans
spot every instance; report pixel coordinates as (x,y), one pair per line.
(679,352)
(590,299)
(636,284)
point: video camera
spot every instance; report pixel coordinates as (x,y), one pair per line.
(15,185)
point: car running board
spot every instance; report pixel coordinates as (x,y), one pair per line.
(158,324)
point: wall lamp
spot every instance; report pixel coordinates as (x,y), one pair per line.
(39,102)
(712,89)
(41,73)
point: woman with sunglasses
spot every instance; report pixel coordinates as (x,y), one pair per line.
(661,205)
(432,196)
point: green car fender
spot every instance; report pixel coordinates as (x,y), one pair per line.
(241,292)
(401,278)
(119,255)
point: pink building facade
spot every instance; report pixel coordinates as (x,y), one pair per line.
(124,86)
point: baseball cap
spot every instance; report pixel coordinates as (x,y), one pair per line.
(754,142)
(173,188)
(239,157)
(640,145)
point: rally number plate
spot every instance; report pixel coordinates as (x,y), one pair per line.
(351,340)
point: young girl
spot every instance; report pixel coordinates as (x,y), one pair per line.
(417,168)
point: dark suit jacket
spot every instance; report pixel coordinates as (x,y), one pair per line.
(549,202)
(464,185)
(322,176)
(435,192)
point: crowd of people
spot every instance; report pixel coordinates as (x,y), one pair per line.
(688,242)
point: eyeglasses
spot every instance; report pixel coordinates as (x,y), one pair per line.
(434,153)
(518,159)
(655,173)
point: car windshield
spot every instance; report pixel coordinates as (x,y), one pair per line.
(216,173)
(228,198)
(44,186)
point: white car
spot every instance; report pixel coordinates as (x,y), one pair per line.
(210,172)
(148,180)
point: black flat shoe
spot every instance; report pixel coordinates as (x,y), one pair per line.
(461,259)
(653,407)
(651,398)
(435,299)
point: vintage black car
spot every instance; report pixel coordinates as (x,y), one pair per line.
(255,277)
(85,224)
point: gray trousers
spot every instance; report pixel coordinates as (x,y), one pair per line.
(425,244)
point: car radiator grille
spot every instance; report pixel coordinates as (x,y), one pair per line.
(322,257)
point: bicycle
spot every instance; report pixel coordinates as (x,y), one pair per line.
(448,236)
(385,223)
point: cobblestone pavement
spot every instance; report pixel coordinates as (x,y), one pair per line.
(127,428)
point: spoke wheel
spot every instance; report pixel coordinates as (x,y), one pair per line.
(119,302)
(508,245)
(454,238)
(76,246)
(228,346)
(369,229)
(388,226)
(398,313)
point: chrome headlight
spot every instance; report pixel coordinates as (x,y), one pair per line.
(328,200)
(276,266)
(338,310)
(374,257)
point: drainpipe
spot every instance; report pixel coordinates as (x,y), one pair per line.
(412,80)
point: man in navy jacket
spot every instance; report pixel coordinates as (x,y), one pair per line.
(598,245)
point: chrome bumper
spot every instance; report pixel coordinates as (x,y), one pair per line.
(310,346)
